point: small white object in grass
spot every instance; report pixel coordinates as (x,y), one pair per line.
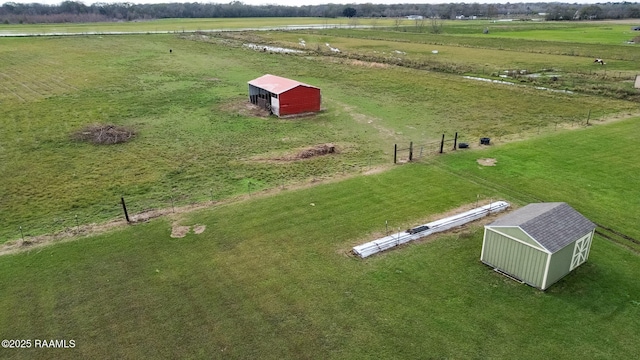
(312,204)
(434,51)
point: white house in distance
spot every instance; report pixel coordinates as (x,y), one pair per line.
(538,244)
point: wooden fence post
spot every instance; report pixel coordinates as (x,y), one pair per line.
(411,151)
(395,153)
(124,207)
(442,144)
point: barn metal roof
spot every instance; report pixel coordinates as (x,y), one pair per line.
(277,84)
(553,225)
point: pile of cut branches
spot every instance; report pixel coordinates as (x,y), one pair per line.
(104,134)
(316,151)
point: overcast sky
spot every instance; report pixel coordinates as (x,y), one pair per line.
(306,2)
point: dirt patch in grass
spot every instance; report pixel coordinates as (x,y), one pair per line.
(199,229)
(317,150)
(377,169)
(178,231)
(78,232)
(71,233)
(104,134)
(487,162)
(369,64)
(300,154)
(245,108)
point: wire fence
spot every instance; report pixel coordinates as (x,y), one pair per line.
(155,202)
(158,200)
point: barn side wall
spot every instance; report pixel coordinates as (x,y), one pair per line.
(300,99)
(514,258)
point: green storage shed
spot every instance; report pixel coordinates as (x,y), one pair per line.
(539,243)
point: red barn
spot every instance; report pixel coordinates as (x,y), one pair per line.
(284,96)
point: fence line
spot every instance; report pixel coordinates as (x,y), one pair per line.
(157,201)
(436,146)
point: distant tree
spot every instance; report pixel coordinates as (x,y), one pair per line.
(436,25)
(492,11)
(591,12)
(77,11)
(397,22)
(349,12)
(634,12)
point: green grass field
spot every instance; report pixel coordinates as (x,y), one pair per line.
(196,141)
(170,25)
(271,276)
(550,60)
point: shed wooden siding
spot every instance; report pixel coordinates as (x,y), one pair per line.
(561,261)
(515,258)
(560,264)
(517,233)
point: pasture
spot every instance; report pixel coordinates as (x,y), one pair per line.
(271,275)
(168,25)
(196,139)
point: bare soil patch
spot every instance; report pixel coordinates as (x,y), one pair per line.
(317,150)
(245,108)
(71,233)
(178,231)
(104,134)
(78,232)
(369,64)
(487,162)
(377,170)
(300,154)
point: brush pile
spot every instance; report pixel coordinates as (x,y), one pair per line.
(104,134)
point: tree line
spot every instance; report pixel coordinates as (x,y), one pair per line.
(73,11)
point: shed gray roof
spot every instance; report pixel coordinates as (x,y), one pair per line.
(553,225)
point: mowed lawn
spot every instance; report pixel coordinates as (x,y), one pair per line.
(272,277)
(593,168)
